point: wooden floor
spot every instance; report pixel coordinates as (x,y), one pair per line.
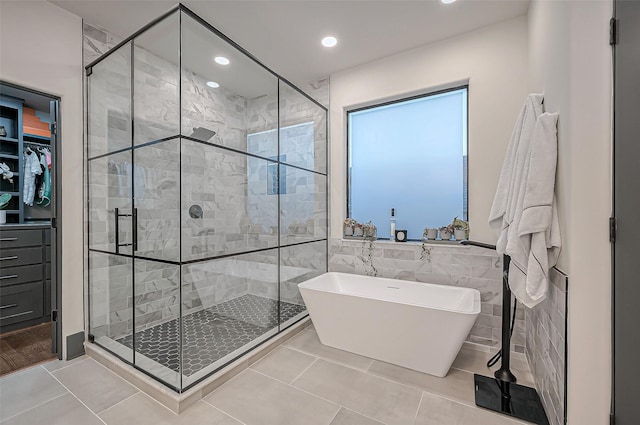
(25,347)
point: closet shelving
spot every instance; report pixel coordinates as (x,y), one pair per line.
(11,148)
(10,154)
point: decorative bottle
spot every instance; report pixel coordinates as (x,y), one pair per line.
(392,236)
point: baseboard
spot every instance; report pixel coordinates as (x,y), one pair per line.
(75,345)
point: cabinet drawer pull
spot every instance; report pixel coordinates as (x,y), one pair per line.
(13,257)
(16,315)
(11,276)
(8,306)
(8,239)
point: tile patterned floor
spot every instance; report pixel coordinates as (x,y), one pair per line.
(302,382)
(211,334)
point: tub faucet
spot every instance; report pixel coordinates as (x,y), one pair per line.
(480,244)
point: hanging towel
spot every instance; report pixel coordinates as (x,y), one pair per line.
(536,246)
(511,177)
(137,178)
(524,211)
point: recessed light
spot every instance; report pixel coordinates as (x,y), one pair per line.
(222,60)
(447,1)
(329,41)
(213,84)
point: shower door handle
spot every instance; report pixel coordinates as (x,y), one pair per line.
(117,226)
(135,229)
(134,242)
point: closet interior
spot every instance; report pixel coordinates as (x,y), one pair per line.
(27,206)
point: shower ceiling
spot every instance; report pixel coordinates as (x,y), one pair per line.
(285,35)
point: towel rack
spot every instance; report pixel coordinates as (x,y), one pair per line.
(501,393)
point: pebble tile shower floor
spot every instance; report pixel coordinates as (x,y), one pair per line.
(211,334)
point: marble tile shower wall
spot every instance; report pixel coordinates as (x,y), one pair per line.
(110,289)
(302,144)
(96,42)
(546,352)
(465,266)
(216,180)
(156,301)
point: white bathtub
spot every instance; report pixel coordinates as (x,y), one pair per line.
(419,326)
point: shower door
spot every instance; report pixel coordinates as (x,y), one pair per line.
(157,326)
(134,202)
(110,236)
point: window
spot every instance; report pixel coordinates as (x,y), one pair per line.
(410,155)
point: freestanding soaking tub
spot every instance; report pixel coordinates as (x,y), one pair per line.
(419,326)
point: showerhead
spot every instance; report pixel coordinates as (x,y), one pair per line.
(203,134)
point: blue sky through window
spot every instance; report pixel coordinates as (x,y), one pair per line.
(409,156)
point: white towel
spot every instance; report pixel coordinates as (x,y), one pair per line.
(524,210)
(535,247)
(511,177)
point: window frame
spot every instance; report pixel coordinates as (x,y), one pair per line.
(402,99)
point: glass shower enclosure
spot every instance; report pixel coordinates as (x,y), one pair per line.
(207,190)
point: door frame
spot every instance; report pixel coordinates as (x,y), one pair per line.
(620,355)
(56,220)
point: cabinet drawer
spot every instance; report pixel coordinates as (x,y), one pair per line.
(47,236)
(14,275)
(20,256)
(20,238)
(20,302)
(47,254)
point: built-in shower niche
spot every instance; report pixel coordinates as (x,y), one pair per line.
(207,200)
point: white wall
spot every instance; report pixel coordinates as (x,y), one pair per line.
(41,48)
(570,60)
(492,59)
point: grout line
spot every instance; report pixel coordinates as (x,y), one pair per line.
(150,398)
(308,353)
(448,398)
(301,390)
(305,369)
(367,371)
(222,411)
(139,391)
(64,367)
(316,395)
(368,417)
(81,402)
(113,372)
(415,418)
(24,369)
(329,401)
(404,384)
(271,377)
(33,407)
(123,400)
(229,380)
(336,415)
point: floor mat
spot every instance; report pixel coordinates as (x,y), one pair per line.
(25,347)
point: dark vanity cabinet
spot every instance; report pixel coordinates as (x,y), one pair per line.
(25,276)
